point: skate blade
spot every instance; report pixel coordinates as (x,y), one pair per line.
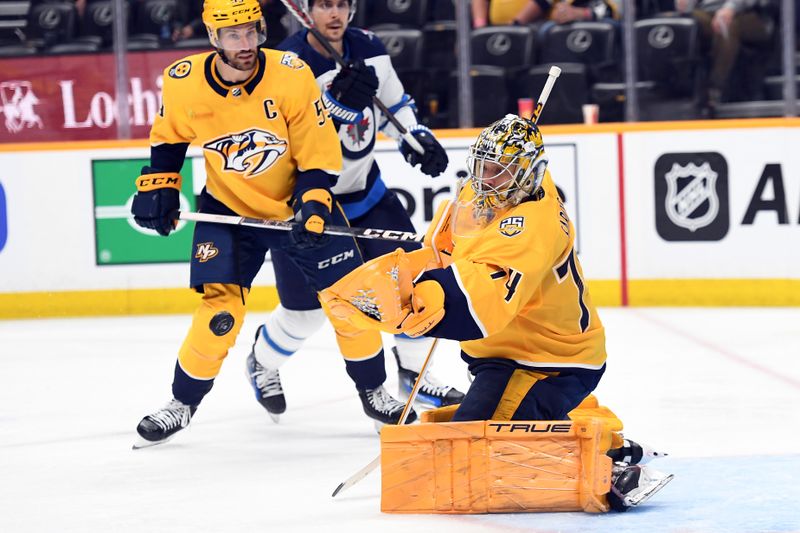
(645,495)
(378,426)
(144,443)
(275,418)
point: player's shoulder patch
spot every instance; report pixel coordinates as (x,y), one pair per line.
(290,59)
(180,70)
(511,226)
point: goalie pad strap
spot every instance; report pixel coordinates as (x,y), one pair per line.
(159,180)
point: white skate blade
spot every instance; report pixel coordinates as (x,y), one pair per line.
(275,418)
(144,443)
(651,482)
(378,426)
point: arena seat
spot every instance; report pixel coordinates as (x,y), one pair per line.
(404,13)
(503,46)
(49,24)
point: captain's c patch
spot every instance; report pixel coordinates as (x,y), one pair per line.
(512,226)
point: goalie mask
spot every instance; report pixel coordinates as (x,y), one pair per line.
(307,4)
(506,165)
(234,24)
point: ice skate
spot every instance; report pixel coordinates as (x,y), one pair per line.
(160,426)
(431,392)
(382,408)
(267,385)
(633,485)
(634,453)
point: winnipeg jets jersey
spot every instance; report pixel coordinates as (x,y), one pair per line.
(516,290)
(259,136)
(360,186)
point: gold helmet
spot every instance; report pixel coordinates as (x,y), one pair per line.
(219,14)
(506,165)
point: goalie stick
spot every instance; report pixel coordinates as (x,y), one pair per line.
(552,75)
(303,17)
(361,474)
(281,225)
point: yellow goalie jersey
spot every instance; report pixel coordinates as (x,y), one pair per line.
(259,136)
(516,290)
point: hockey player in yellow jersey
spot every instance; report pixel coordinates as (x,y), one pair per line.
(499,273)
(270,151)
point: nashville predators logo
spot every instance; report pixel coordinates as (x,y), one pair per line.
(206,251)
(512,226)
(250,153)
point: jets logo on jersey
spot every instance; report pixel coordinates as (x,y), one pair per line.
(250,152)
(512,226)
(359,137)
(181,70)
(206,251)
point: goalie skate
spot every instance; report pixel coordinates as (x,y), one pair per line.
(162,425)
(382,408)
(267,385)
(431,392)
(634,453)
(634,485)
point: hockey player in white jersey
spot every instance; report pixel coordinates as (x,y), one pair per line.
(367,202)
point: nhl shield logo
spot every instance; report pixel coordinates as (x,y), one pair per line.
(511,226)
(18,101)
(683,204)
(691,193)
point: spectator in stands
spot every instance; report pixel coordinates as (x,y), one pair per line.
(500,12)
(527,11)
(724,26)
(191,21)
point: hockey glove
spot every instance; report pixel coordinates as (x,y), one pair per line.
(312,210)
(381,295)
(434,161)
(157,201)
(351,91)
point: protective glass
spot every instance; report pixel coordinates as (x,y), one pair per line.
(247,36)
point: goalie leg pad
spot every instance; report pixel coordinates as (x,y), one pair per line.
(495,467)
(214,329)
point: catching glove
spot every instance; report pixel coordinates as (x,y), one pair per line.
(351,91)
(312,210)
(381,295)
(434,161)
(157,200)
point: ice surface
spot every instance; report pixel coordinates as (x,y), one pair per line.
(717,388)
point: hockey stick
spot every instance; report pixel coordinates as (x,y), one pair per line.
(552,76)
(281,225)
(304,19)
(361,474)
